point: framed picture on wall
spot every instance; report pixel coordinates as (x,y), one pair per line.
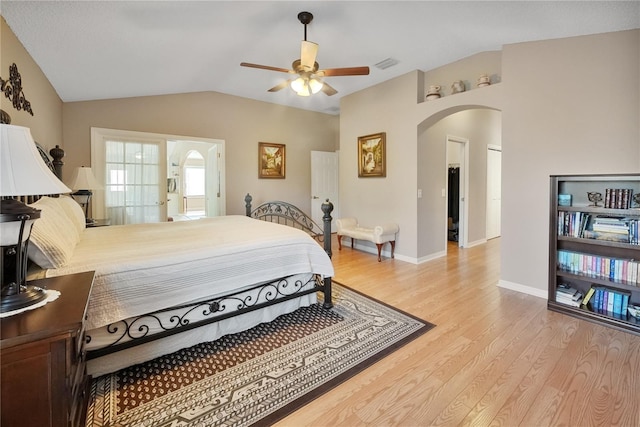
(271,160)
(372,160)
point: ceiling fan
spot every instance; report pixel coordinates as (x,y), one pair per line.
(309,77)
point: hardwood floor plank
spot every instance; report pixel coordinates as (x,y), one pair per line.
(495,357)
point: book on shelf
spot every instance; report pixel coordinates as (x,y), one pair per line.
(587,297)
(568,295)
(611,300)
(611,224)
(617,198)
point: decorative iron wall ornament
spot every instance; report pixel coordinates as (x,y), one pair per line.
(13,90)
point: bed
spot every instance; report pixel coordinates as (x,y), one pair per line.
(165,286)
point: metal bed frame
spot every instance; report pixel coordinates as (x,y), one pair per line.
(134,331)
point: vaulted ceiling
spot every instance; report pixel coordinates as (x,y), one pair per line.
(112,49)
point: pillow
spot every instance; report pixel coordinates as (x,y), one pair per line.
(59,212)
(53,236)
(73,211)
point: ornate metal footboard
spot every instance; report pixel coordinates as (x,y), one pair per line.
(151,326)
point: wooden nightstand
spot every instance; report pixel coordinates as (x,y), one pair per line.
(99,223)
(43,373)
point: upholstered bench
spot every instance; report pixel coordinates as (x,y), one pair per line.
(380,234)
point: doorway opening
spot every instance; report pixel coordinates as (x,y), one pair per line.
(193,201)
(162,179)
(457,189)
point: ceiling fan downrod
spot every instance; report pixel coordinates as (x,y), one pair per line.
(305,18)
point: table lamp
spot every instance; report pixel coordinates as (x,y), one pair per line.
(23,172)
(82,183)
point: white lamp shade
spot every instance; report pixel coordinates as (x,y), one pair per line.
(83,179)
(22,170)
(315,85)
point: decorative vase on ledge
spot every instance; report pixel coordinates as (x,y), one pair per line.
(484,80)
(458,86)
(433,92)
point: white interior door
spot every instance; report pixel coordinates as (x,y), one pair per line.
(324,184)
(132,172)
(494,190)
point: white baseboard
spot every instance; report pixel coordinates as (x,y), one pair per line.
(430,257)
(523,288)
(476,243)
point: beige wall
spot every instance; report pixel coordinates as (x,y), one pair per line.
(240,122)
(568,106)
(46,122)
(572,106)
(386,108)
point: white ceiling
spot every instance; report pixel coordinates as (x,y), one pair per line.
(112,49)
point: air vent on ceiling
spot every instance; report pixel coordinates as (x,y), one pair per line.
(386,63)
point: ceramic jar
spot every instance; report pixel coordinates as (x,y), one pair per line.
(484,80)
(457,86)
(433,92)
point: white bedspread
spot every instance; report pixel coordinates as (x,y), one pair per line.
(145,267)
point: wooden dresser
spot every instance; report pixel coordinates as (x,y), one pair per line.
(44,381)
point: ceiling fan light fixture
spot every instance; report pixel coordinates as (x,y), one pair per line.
(298,85)
(315,85)
(304,86)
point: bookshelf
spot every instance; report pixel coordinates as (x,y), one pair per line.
(595,247)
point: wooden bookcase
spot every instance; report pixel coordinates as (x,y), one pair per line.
(582,258)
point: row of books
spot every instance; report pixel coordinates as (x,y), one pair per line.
(617,198)
(600,227)
(600,299)
(614,269)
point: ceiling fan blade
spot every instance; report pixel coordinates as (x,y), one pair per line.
(328,90)
(266,67)
(308,53)
(349,71)
(279,86)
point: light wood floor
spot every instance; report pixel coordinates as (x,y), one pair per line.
(496,357)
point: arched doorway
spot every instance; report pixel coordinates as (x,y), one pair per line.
(193,170)
(479,127)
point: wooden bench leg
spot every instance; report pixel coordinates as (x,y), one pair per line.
(379,245)
(339,242)
(393,247)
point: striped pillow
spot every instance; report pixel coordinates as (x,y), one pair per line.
(53,237)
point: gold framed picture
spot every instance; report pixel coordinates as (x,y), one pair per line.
(372,160)
(271,160)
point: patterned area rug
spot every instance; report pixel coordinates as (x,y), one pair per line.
(260,375)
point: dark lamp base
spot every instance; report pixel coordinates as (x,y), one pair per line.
(29,295)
